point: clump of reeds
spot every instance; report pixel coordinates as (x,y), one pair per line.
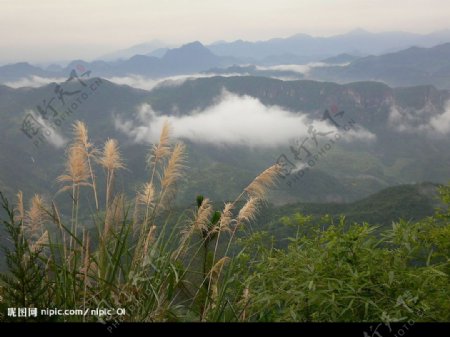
(123,259)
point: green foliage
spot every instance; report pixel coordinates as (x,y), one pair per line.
(346,273)
(24,286)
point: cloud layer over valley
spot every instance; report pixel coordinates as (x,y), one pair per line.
(232,120)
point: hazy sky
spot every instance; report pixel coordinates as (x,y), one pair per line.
(42,30)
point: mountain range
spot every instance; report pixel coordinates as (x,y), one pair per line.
(426,59)
(356,42)
(412,66)
(190,58)
(408,132)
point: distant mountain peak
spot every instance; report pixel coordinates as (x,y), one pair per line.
(22,65)
(193,49)
(196,44)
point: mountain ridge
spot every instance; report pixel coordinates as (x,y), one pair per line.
(411,66)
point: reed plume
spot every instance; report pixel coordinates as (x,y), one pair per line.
(160,151)
(259,186)
(35,218)
(173,170)
(172,173)
(76,169)
(81,138)
(111,160)
(146,198)
(146,195)
(226,218)
(203,217)
(249,211)
(156,158)
(200,222)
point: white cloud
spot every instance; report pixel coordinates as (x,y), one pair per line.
(233,120)
(297,68)
(427,120)
(357,132)
(132,80)
(147,83)
(441,123)
(34,81)
(50,134)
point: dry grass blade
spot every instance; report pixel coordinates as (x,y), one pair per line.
(215,272)
(115,214)
(55,216)
(245,300)
(149,239)
(86,253)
